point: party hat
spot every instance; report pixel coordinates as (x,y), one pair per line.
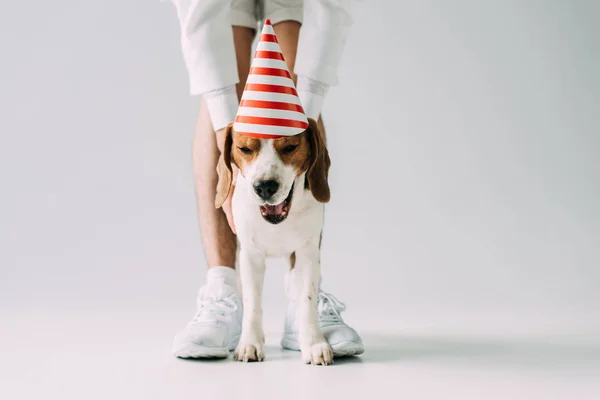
(270,107)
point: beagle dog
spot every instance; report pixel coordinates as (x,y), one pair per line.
(277,207)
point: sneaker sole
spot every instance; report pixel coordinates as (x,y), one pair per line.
(346,349)
(342,349)
(192,350)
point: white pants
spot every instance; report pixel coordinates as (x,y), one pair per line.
(209,51)
(250,13)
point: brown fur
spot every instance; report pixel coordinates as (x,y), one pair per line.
(318,169)
(310,156)
(300,157)
(232,154)
(239,158)
(224,170)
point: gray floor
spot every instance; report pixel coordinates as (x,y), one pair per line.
(125,355)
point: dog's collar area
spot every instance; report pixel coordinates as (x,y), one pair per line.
(275,214)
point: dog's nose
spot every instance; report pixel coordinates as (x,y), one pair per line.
(266,189)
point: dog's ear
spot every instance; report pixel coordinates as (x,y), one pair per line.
(224,169)
(318,168)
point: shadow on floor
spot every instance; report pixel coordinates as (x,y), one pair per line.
(272,353)
(205,360)
(277,353)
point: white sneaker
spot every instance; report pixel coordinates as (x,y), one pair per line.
(215,329)
(343,339)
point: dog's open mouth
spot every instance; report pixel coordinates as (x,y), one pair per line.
(277,213)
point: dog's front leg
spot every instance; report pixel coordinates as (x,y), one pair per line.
(314,347)
(252,272)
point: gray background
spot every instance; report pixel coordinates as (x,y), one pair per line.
(464,137)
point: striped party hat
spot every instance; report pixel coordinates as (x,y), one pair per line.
(270,107)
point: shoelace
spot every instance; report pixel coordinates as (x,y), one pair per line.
(220,308)
(330,307)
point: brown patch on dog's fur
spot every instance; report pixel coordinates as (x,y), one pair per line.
(318,169)
(311,156)
(299,158)
(292,260)
(224,170)
(232,154)
(241,159)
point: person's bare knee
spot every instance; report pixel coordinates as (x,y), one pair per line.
(288,33)
(218,239)
(242,39)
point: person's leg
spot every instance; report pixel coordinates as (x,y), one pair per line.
(343,339)
(218,239)
(208,335)
(287,33)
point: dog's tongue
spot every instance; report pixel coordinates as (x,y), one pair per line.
(273,210)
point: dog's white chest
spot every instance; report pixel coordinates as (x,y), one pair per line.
(303,225)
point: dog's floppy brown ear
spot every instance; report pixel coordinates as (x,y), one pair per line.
(224,169)
(318,168)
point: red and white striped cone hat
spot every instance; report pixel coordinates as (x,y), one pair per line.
(270,107)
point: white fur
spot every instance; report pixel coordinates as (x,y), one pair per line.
(299,232)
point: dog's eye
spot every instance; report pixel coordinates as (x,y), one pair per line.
(245,150)
(289,149)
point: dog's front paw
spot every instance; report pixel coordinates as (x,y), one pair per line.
(318,353)
(246,352)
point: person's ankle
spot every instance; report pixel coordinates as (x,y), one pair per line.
(223,273)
